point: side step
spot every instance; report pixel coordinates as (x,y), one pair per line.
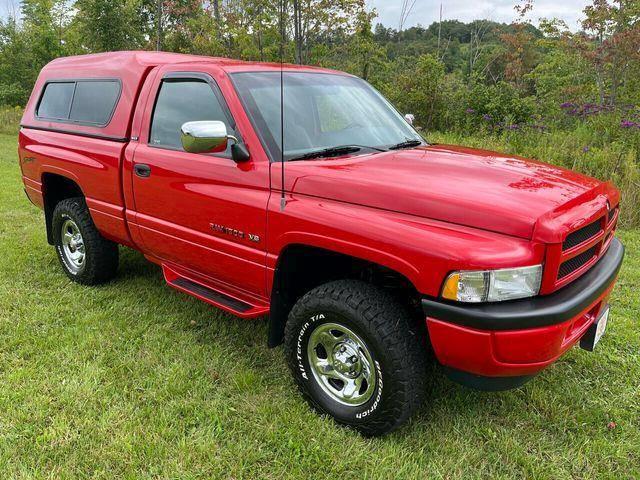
(214,297)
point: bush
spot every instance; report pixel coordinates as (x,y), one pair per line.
(500,105)
(13,94)
(10,119)
(417,88)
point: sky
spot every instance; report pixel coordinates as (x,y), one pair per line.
(425,12)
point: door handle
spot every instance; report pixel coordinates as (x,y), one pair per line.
(142,170)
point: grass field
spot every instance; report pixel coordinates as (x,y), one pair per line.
(135,380)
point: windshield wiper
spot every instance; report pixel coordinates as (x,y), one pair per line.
(334,152)
(406,144)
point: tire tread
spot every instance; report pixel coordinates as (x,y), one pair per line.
(400,337)
(102,254)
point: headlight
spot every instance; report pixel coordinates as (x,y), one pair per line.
(493,285)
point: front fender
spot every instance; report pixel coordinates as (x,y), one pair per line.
(423,250)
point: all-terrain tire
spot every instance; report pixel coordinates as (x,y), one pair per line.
(391,337)
(99,259)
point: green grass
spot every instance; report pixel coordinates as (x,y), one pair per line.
(135,380)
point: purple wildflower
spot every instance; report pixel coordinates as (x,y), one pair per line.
(586,149)
(590,108)
(628,124)
(470,110)
(567,105)
(486,117)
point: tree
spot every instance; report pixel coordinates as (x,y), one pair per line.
(40,29)
(316,19)
(362,48)
(357,53)
(520,53)
(477,43)
(167,23)
(417,88)
(27,46)
(105,25)
(16,64)
(615,28)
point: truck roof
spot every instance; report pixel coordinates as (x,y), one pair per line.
(139,59)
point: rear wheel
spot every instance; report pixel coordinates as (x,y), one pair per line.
(356,354)
(85,255)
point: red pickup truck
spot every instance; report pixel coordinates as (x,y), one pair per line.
(370,249)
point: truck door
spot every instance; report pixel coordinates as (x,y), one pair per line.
(202,212)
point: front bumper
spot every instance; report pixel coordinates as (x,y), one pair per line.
(480,344)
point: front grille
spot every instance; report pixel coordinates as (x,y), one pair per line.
(612,213)
(576,262)
(582,235)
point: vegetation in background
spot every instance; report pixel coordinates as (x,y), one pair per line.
(10,119)
(571,98)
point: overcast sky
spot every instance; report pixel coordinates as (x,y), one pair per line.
(425,12)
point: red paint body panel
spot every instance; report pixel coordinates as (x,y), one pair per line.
(33,189)
(187,192)
(93,164)
(476,188)
(511,352)
(421,212)
(423,250)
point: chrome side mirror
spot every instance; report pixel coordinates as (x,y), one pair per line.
(410,118)
(205,137)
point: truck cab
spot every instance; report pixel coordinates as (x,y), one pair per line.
(301,194)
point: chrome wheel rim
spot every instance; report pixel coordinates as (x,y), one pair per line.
(73,250)
(341,364)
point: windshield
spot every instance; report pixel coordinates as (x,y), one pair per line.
(320,111)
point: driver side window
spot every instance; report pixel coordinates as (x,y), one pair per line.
(180,101)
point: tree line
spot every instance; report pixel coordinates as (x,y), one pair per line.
(450,74)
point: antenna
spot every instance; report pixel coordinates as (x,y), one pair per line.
(283,200)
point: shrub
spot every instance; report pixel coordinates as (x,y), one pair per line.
(13,94)
(10,119)
(500,105)
(417,88)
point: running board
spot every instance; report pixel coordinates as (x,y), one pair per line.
(213,297)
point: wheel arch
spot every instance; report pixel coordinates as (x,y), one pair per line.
(55,188)
(292,279)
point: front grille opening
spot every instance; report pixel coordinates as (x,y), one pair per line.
(582,235)
(573,264)
(612,213)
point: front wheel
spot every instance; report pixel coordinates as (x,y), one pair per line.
(356,354)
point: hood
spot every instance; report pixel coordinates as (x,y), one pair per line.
(469,187)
